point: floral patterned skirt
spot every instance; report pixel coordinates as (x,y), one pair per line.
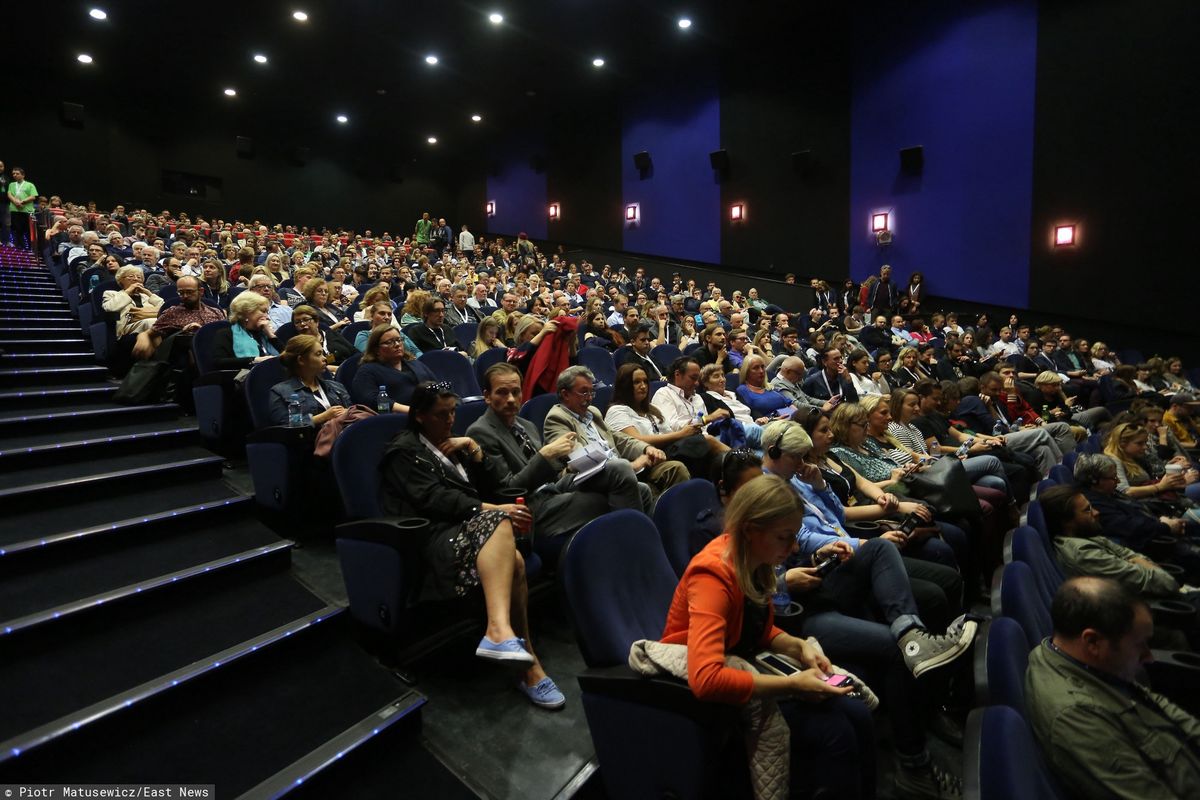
(466,544)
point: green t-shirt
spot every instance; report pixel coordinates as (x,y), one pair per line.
(27,192)
(423,230)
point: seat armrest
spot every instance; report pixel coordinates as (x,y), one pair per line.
(282,434)
(395,531)
(664,693)
(223,377)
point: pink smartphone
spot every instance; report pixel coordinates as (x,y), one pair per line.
(836,680)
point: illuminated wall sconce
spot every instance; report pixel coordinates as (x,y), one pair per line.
(1064,235)
(633,213)
(490,208)
(879,221)
(555,211)
(737,212)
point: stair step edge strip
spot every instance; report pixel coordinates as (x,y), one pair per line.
(84,480)
(129,522)
(17,624)
(94,412)
(295,774)
(69,723)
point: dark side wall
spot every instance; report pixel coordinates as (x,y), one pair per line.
(119,158)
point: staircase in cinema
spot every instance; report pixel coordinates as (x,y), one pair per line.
(150,628)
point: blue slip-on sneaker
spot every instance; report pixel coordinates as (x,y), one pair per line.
(507,650)
(543,694)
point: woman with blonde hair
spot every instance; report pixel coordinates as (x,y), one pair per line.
(316,294)
(722,608)
(413,307)
(487,337)
(1126,444)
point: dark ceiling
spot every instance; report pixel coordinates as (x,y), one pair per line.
(168,63)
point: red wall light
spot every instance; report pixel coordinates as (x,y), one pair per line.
(554,211)
(1064,235)
(879,222)
(737,212)
(490,208)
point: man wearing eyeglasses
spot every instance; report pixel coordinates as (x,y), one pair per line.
(187,318)
(575,413)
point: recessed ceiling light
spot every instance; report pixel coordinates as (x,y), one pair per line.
(342,118)
(260,58)
(597,62)
(97,13)
(495,18)
(231,92)
(431,60)
(685,23)
(432,140)
(299,16)
(476,118)
(83,58)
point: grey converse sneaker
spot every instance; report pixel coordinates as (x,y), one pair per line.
(923,651)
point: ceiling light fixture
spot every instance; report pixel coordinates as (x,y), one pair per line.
(684,23)
(342,118)
(495,18)
(476,118)
(299,16)
(231,92)
(83,58)
(431,60)
(597,62)
(432,140)
(97,13)
(260,58)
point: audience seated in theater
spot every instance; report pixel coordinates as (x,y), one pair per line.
(1018,409)
(718,398)
(575,412)
(433,333)
(487,337)
(518,459)
(983,410)
(249,337)
(830,380)
(387,363)
(136,306)
(1103,733)
(470,541)
(865,381)
(333,345)
(1181,421)
(187,318)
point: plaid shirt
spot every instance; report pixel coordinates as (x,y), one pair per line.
(176,318)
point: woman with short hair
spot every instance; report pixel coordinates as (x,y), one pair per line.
(249,338)
(321,398)
(387,364)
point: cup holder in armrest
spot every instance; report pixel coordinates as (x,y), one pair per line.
(1174,570)
(868,529)
(1173,613)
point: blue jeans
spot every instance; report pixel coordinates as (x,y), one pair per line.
(987,471)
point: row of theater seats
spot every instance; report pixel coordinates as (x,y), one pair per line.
(1002,758)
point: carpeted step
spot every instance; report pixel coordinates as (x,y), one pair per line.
(72,357)
(156,510)
(314,697)
(44,398)
(56,345)
(17,376)
(127,434)
(79,482)
(132,568)
(49,319)
(18,422)
(103,668)
(56,330)
(34,305)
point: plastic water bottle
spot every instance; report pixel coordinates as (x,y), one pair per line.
(295,411)
(999,429)
(383,404)
(782,599)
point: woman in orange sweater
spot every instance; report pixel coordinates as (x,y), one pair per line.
(722,607)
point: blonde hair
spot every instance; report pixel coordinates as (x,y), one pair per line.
(245,303)
(873,401)
(1121,435)
(842,417)
(748,362)
(790,437)
(759,502)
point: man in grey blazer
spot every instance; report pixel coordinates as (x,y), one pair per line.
(576,414)
(558,505)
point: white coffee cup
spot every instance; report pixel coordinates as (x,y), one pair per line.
(1174,469)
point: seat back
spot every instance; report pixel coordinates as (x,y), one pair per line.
(451,366)
(536,408)
(464,334)
(345,372)
(1007,656)
(486,359)
(603,399)
(350,332)
(1062,474)
(1021,600)
(466,414)
(731,381)
(257,386)
(664,354)
(618,584)
(1036,519)
(675,518)
(600,362)
(202,346)
(284,332)
(356,455)
(1002,759)
(1069,460)
(1030,548)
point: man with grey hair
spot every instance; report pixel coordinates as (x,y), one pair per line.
(575,413)
(279,313)
(788,380)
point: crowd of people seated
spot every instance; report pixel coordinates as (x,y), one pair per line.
(815,426)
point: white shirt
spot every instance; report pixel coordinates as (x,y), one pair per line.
(466,241)
(677,410)
(1004,348)
(619,417)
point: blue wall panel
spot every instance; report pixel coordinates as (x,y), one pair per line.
(518,190)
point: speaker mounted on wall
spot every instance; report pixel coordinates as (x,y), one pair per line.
(71,115)
(245,147)
(912,160)
(719,159)
(643,163)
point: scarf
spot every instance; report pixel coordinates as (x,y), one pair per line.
(247,345)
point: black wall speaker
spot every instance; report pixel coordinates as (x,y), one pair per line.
(71,114)
(642,160)
(719,160)
(912,160)
(245,147)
